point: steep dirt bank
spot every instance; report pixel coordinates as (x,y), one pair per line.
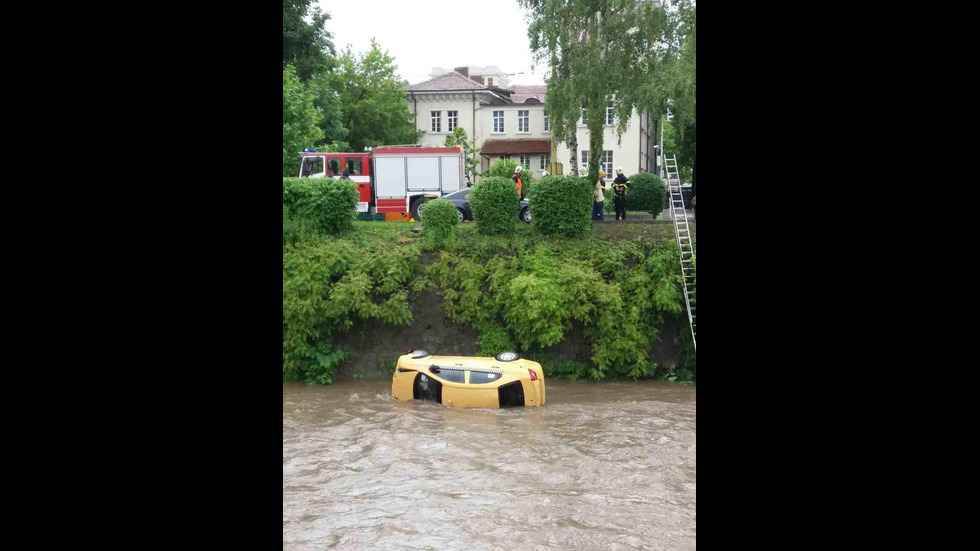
(374,344)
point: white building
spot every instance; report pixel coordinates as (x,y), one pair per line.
(510,122)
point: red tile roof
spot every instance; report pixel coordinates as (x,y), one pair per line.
(503,147)
(448,81)
(523,93)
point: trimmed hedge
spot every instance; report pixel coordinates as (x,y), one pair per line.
(328,205)
(562,206)
(438,222)
(495,204)
(647,192)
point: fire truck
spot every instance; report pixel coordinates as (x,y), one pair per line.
(397,178)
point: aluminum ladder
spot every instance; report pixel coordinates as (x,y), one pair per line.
(684,242)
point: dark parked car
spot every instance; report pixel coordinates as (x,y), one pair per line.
(462,202)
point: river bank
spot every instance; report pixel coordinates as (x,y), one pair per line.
(603,306)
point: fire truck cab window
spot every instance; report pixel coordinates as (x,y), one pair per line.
(334,165)
(354,166)
(312,165)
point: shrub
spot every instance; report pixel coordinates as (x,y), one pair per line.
(505,169)
(440,218)
(297,230)
(330,205)
(647,192)
(562,206)
(495,204)
(609,205)
(326,287)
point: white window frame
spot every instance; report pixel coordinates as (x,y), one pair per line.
(611,113)
(547,122)
(452,120)
(584,158)
(524,118)
(545,161)
(603,164)
(435,122)
(524,161)
(583,119)
(495,119)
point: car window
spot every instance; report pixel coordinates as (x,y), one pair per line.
(453,375)
(458,194)
(482,378)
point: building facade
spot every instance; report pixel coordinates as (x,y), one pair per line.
(510,122)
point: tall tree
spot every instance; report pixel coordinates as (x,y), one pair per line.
(683,90)
(457,138)
(299,120)
(306,44)
(598,51)
(372,99)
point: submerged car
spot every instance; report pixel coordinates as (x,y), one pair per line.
(469,382)
(461,200)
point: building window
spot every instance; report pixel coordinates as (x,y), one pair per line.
(453,120)
(436,120)
(545,161)
(547,122)
(585,118)
(525,161)
(498,122)
(489,81)
(524,121)
(585,157)
(610,113)
(607,161)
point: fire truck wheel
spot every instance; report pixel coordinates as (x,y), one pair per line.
(461,215)
(415,208)
(526,215)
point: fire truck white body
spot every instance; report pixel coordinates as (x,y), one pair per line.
(393,178)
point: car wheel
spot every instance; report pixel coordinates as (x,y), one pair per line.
(526,215)
(462,216)
(417,209)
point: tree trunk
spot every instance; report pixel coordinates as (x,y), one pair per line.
(572,148)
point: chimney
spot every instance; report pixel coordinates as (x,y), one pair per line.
(465,71)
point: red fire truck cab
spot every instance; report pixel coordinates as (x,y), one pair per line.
(393,178)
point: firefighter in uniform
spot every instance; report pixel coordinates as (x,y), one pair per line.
(619,188)
(517,180)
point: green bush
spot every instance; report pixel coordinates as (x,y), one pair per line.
(329,205)
(495,204)
(562,206)
(438,222)
(505,169)
(646,192)
(326,287)
(532,296)
(609,205)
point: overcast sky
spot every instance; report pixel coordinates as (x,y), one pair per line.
(437,33)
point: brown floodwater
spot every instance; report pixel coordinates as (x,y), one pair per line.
(601,466)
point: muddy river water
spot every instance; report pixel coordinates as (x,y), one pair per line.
(600,466)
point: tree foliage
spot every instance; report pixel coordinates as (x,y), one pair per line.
(306,45)
(300,120)
(372,100)
(457,138)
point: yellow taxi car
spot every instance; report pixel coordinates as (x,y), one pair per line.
(469,382)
